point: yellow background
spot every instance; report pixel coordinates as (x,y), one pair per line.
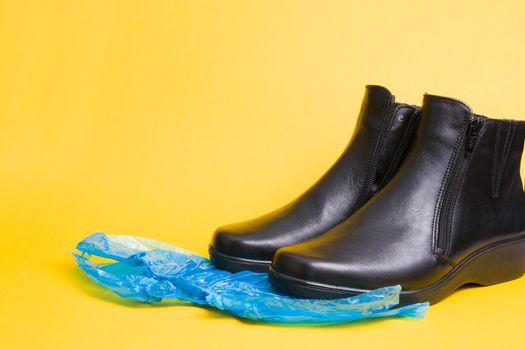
(168,118)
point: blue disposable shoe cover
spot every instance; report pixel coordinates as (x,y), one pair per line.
(146,270)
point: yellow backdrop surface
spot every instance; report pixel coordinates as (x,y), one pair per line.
(168,118)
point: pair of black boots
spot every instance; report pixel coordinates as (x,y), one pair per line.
(428,198)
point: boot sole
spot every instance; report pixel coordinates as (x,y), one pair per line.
(235,264)
(495,263)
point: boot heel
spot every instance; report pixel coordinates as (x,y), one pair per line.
(500,264)
(492,265)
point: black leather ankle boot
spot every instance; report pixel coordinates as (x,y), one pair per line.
(383,133)
(453,214)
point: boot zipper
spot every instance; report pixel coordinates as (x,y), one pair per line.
(454,181)
(472,135)
(380,147)
(402,150)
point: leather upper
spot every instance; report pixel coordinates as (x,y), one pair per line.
(383,133)
(393,238)
(490,206)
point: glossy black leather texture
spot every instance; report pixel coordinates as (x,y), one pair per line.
(490,205)
(383,134)
(456,198)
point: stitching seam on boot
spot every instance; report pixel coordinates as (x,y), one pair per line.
(501,162)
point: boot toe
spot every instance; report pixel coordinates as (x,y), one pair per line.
(229,240)
(306,262)
(240,242)
(302,264)
(352,269)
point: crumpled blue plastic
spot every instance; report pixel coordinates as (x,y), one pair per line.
(146,270)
